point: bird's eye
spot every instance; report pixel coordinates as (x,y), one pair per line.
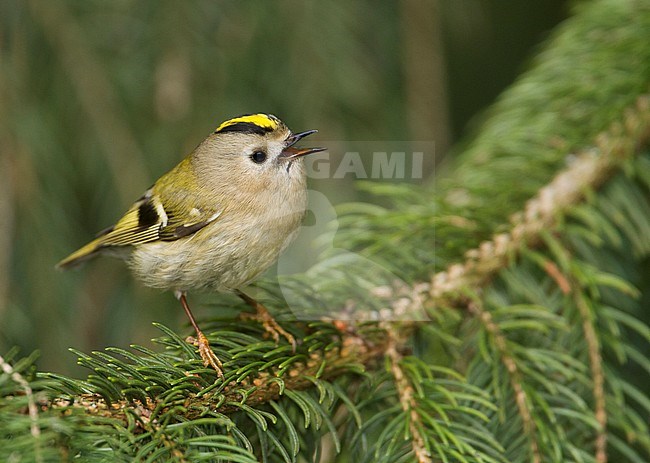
(258,157)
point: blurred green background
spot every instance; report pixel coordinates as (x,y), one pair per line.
(99,98)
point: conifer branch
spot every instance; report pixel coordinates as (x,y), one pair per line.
(587,171)
(406,393)
(521,398)
(598,376)
(32,409)
(595,356)
(590,168)
(262,387)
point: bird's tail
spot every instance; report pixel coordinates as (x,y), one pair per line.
(81,255)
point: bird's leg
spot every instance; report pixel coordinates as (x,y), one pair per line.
(263,316)
(201,341)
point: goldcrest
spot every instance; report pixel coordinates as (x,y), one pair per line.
(217,220)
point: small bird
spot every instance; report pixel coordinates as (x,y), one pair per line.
(217,220)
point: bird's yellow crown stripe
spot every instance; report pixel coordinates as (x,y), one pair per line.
(264,121)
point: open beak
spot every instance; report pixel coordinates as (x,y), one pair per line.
(290,152)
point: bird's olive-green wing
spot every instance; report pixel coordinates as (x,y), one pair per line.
(151,218)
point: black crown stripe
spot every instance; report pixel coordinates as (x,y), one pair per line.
(245,127)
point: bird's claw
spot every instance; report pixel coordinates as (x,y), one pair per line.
(207,354)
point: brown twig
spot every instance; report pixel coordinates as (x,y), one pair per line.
(521,398)
(406,393)
(595,358)
(595,364)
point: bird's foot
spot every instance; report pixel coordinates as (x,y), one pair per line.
(272,327)
(205,351)
(263,316)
